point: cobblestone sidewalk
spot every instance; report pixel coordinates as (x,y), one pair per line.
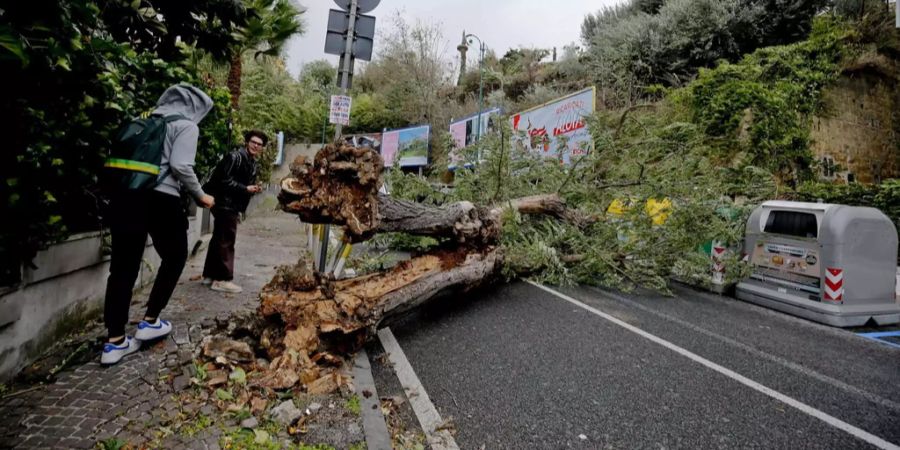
(135,401)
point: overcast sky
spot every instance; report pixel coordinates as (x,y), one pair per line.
(502,24)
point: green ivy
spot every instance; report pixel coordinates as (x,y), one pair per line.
(762,105)
(884,196)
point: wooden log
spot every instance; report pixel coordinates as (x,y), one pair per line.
(305,328)
(307,317)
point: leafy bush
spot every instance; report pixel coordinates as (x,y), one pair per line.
(651,155)
(884,196)
(762,105)
(216,134)
(641,43)
(68,87)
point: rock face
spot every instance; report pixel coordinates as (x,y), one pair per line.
(857,140)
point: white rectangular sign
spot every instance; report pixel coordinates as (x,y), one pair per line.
(340,110)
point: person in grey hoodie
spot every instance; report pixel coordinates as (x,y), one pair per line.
(160,214)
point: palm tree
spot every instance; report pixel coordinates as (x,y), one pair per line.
(270,24)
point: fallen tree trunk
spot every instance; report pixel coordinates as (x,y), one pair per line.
(308,319)
(307,325)
(331,190)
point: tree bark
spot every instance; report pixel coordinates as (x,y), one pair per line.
(340,187)
(304,330)
(235,72)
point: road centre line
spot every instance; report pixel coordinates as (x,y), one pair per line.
(429,418)
(809,410)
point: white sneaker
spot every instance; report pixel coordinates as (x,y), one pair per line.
(226,286)
(113,353)
(147,331)
(207,281)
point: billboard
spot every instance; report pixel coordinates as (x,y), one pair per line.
(371,140)
(406,147)
(540,129)
(464,131)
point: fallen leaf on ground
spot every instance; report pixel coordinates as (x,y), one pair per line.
(257,405)
(217,381)
(324,385)
(224,395)
(230,349)
(261,437)
(238,376)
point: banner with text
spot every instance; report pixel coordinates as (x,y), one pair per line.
(542,129)
(407,147)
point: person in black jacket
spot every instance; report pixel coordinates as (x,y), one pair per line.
(234,182)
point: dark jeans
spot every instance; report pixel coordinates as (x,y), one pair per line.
(219,264)
(134,216)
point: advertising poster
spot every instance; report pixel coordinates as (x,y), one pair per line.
(541,129)
(407,147)
(465,131)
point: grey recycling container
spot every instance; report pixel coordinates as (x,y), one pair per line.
(833,264)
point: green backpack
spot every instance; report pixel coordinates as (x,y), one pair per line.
(134,163)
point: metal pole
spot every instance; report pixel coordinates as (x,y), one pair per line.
(310,240)
(323,250)
(343,254)
(348,54)
(480,91)
(345,81)
(480,95)
(314,256)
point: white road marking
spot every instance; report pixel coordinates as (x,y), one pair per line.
(809,410)
(887,403)
(428,416)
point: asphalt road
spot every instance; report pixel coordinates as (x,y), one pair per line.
(517,367)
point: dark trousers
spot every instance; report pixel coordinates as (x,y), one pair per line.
(219,264)
(134,216)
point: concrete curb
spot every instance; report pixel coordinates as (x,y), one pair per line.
(374,427)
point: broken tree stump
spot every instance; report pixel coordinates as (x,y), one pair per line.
(307,321)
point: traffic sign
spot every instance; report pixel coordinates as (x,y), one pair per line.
(338,28)
(362,6)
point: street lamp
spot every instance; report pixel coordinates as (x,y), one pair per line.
(469,37)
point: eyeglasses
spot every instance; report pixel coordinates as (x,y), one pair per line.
(259,143)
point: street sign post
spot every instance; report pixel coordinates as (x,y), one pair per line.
(351,35)
(336,34)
